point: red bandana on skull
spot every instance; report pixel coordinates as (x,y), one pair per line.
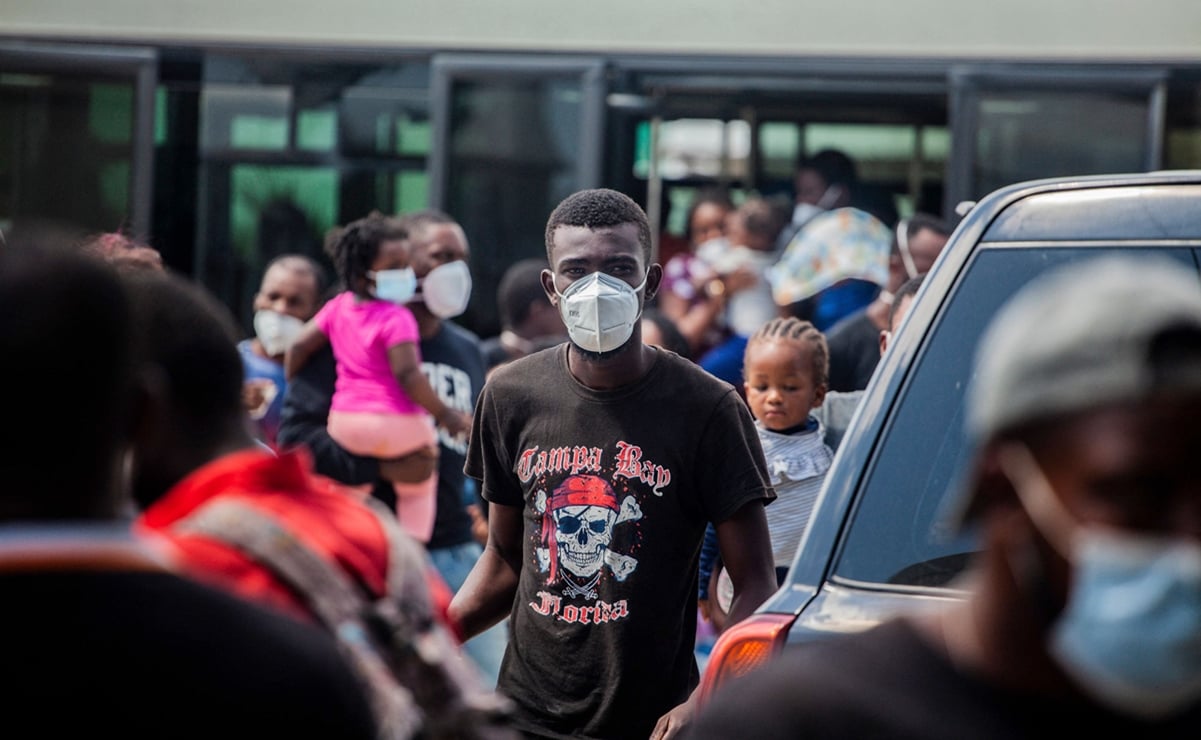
(578,490)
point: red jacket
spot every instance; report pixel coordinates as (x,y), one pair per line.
(328,517)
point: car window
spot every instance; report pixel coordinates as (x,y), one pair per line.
(899,533)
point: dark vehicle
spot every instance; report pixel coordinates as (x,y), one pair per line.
(878,542)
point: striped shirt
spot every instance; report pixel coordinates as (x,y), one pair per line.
(797,464)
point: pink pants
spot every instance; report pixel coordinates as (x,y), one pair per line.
(393,435)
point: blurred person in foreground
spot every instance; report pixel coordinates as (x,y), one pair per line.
(100,636)
(222,502)
(123,252)
(1084,605)
(602,460)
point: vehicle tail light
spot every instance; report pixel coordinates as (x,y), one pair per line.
(742,648)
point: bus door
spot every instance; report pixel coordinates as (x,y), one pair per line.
(77,122)
(1013,123)
(512,136)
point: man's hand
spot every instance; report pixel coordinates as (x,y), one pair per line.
(257,395)
(671,724)
(479,525)
(413,467)
(455,422)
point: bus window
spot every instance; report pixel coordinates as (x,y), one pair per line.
(72,122)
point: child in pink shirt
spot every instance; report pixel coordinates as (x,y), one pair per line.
(382,403)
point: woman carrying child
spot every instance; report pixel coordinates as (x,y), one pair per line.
(383,405)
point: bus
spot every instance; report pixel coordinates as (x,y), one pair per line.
(225,133)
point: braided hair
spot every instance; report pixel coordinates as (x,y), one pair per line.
(355,247)
(796,330)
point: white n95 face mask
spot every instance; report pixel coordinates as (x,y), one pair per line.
(446,289)
(599,311)
(275,330)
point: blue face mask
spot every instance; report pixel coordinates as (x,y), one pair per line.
(1130,635)
(394,286)
(1131,632)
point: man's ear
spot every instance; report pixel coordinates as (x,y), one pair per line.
(548,287)
(654,278)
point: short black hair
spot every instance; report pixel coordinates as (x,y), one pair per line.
(597,209)
(908,288)
(520,287)
(921,221)
(303,262)
(835,167)
(672,338)
(183,330)
(418,221)
(65,340)
(762,218)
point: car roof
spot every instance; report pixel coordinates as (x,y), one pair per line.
(1094,208)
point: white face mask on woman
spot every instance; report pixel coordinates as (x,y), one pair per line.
(599,311)
(275,330)
(1130,635)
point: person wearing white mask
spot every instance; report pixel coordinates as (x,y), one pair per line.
(452,361)
(383,405)
(602,461)
(452,358)
(288,296)
(1083,608)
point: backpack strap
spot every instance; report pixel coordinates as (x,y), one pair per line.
(331,596)
(447,686)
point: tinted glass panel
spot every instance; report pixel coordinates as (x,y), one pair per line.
(66,135)
(514,154)
(1036,134)
(899,534)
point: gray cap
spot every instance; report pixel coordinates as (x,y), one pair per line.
(1081,337)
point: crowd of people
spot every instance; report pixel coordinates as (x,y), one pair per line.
(377,525)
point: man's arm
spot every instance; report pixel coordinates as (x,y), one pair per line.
(746,553)
(310,340)
(486,597)
(303,420)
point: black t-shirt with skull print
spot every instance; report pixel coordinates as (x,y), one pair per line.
(616,487)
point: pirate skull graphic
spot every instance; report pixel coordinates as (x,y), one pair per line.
(578,518)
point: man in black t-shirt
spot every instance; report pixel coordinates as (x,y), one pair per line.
(602,461)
